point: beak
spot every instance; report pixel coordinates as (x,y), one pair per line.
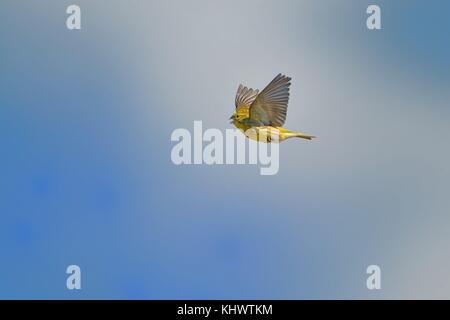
(231,119)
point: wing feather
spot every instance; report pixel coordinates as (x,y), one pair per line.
(270,106)
(245,96)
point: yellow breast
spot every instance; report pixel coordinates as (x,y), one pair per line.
(261,134)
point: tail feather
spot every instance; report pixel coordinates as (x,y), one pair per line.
(304,136)
(286,134)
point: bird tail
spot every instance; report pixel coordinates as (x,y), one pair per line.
(286,134)
(303,136)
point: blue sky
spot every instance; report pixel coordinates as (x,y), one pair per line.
(85,124)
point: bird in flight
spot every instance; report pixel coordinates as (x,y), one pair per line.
(260,115)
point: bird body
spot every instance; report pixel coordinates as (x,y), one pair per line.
(260,116)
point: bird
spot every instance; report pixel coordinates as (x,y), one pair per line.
(261,115)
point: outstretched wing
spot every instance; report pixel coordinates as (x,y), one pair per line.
(270,106)
(245,96)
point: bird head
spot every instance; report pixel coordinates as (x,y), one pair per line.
(236,117)
(239,115)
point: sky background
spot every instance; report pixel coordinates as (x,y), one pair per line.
(86,176)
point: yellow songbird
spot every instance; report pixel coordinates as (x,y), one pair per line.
(261,115)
